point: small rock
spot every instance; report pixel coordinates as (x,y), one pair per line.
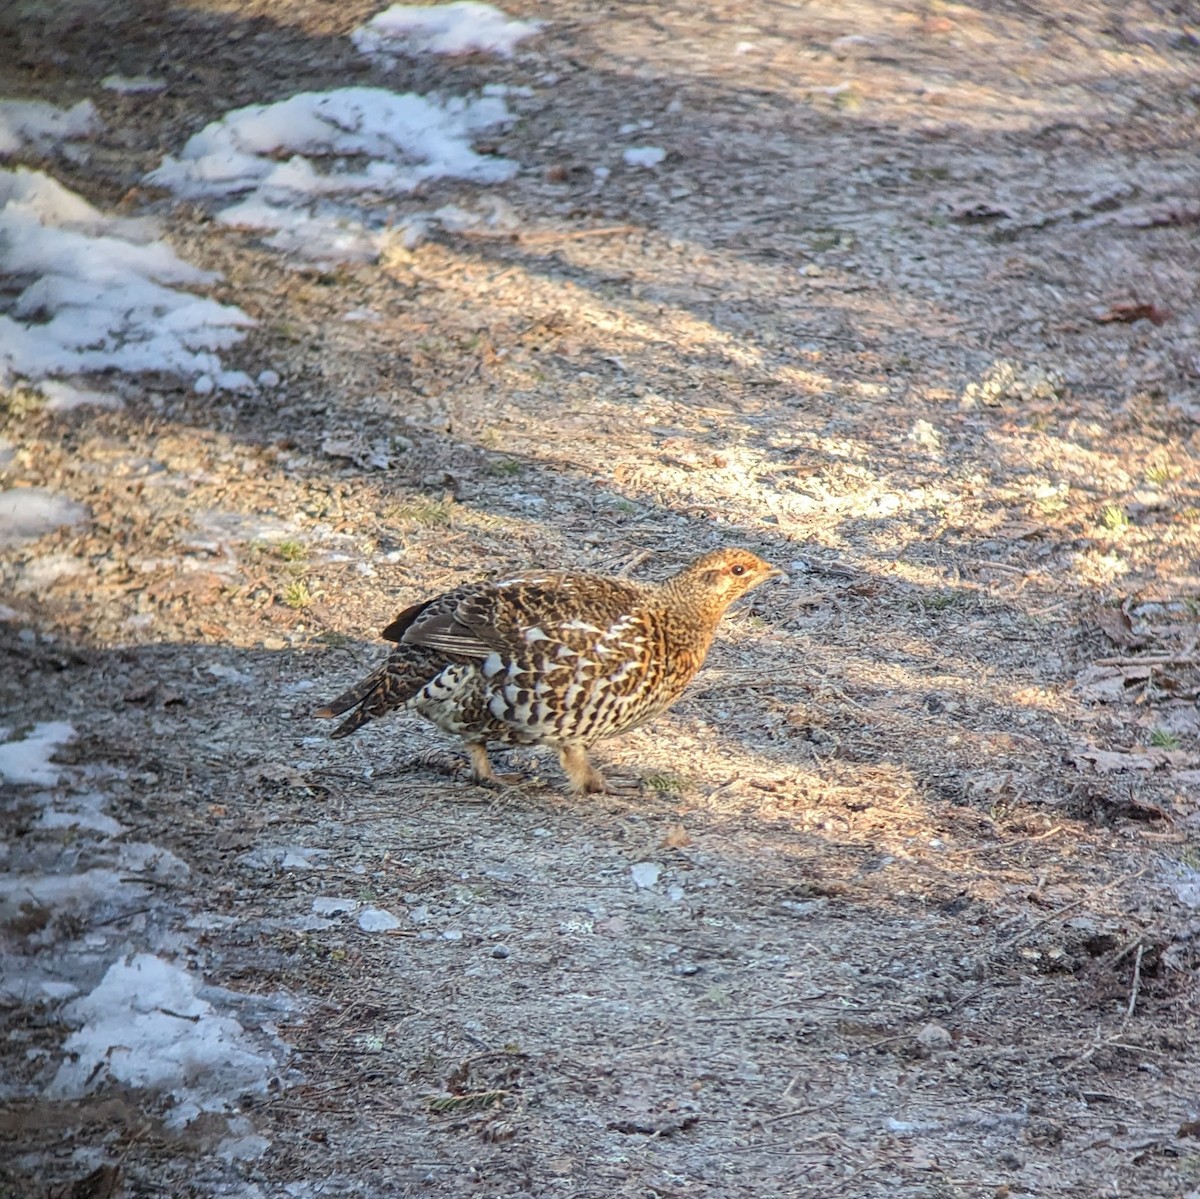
(645,874)
(644,156)
(376,920)
(500,951)
(934,1036)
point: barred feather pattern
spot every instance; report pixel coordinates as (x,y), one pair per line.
(551,659)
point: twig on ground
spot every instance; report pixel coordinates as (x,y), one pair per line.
(1135,986)
(803,1111)
(1004,566)
(1052,832)
(1152,660)
(535,236)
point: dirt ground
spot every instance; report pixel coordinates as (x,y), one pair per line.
(910,309)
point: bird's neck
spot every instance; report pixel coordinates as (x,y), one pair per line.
(681,596)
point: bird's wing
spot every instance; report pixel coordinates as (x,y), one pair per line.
(436,624)
(511,615)
(396,630)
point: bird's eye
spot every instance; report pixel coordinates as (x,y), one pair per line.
(739,569)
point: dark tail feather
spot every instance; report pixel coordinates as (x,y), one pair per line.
(390,686)
(368,698)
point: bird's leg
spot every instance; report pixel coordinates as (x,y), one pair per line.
(583,776)
(481,768)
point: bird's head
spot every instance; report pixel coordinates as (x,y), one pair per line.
(719,578)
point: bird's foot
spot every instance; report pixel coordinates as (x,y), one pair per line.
(585,779)
(499,782)
(484,775)
(622,786)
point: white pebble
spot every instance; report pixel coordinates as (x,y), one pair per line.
(644,156)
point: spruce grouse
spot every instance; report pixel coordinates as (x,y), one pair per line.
(551,659)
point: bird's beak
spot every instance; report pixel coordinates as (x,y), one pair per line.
(776,573)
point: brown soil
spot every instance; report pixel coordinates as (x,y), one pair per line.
(882,316)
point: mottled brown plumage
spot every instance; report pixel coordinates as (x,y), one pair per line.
(551,659)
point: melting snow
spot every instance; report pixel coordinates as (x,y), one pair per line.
(461,28)
(39,573)
(103,294)
(62,397)
(85,812)
(133,85)
(145,1026)
(29,512)
(266,155)
(28,761)
(34,122)
(147,1023)
(66,892)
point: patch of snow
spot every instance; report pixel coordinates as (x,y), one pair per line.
(152,861)
(268,378)
(117,882)
(464,27)
(28,760)
(29,512)
(145,1026)
(133,85)
(332,906)
(267,155)
(103,297)
(66,892)
(84,812)
(38,574)
(376,920)
(644,156)
(36,123)
(21,982)
(62,397)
